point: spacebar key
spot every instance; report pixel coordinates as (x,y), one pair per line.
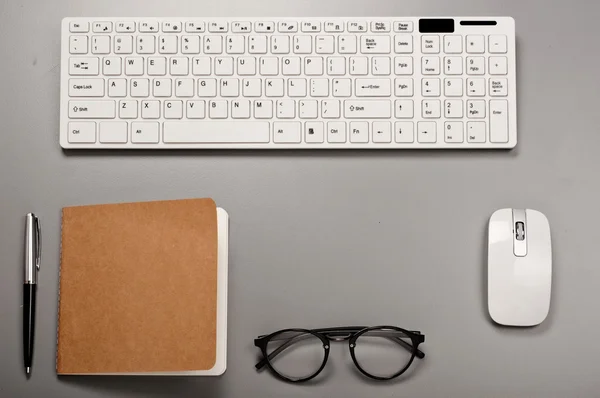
(216,132)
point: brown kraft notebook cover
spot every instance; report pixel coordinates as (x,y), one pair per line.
(138,287)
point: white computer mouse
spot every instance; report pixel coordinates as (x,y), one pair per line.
(519,267)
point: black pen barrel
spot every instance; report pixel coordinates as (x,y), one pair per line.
(29,293)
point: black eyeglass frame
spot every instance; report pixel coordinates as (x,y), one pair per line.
(327,335)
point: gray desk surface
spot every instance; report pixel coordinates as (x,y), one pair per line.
(332,238)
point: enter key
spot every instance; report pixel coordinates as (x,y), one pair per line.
(373,87)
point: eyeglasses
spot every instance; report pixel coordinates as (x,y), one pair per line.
(379,352)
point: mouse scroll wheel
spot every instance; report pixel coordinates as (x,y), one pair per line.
(520,230)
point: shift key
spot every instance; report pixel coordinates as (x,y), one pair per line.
(367,109)
(91,109)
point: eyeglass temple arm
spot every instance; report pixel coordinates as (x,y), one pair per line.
(420,354)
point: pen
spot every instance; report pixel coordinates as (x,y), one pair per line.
(33,250)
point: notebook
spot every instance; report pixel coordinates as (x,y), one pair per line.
(143,289)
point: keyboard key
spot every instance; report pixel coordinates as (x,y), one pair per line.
(380,26)
(373,87)
(207,87)
(475,65)
(453,87)
(403,44)
(310,27)
(111,66)
(498,65)
(430,87)
(145,132)
(319,87)
(430,44)
(218,109)
(453,44)
(475,44)
(375,44)
(79,27)
(117,88)
(330,109)
(102,27)
(213,45)
(287,26)
(430,65)
(91,109)
(359,132)
(498,121)
(427,132)
(313,132)
(476,132)
(403,26)
(476,87)
(82,132)
(263,109)
(123,44)
(78,44)
(403,65)
(357,26)
(171,27)
(359,65)
(167,44)
(382,132)
(476,109)
(128,109)
(83,66)
(334,27)
(367,109)
(453,109)
(173,110)
(453,65)
(302,44)
(241,27)
(308,109)
(145,45)
(148,26)
(325,44)
(218,27)
(113,132)
(125,27)
(150,109)
(498,87)
(194,27)
(404,132)
(264,27)
(287,132)
(196,132)
(286,109)
(403,87)
(100,44)
(453,132)
(86,87)
(381,66)
(336,132)
(497,44)
(431,109)
(404,109)
(342,87)
(195,109)
(347,44)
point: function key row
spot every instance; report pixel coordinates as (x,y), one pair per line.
(243,26)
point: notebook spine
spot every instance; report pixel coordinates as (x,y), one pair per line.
(62,219)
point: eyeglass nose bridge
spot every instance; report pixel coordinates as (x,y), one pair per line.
(339,337)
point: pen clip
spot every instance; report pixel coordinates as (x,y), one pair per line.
(38,242)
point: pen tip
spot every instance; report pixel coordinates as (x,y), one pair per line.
(28,370)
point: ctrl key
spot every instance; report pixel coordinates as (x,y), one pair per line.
(82,133)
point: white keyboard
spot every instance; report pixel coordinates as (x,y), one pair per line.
(288,83)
